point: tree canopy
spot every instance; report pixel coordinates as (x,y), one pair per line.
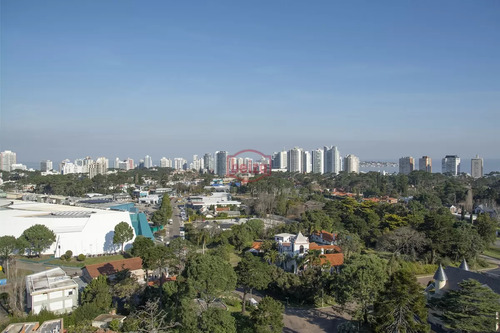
(400,307)
(209,276)
(471,308)
(123,233)
(37,239)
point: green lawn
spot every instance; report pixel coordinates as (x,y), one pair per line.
(234,259)
(493,252)
(42,258)
(87,261)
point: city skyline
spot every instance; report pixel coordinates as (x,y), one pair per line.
(380,81)
(176,162)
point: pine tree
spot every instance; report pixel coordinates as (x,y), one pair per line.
(401,306)
(472,308)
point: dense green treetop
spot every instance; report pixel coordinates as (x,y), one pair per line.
(37,239)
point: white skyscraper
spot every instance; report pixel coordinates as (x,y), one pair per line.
(165,162)
(7,158)
(317,161)
(332,160)
(148,162)
(406,165)
(116,164)
(351,164)
(295,160)
(46,165)
(476,167)
(451,164)
(179,163)
(307,162)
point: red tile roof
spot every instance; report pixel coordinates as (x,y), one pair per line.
(256,245)
(314,246)
(112,267)
(335,259)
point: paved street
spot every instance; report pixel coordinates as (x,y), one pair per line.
(174,228)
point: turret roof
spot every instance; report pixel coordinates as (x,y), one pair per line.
(440,274)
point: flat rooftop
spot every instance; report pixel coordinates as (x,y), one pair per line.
(51,279)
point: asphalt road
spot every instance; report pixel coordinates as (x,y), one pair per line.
(174,228)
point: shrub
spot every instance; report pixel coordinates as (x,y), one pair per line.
(63,257)
(114,325)
(81,257)
(69,254)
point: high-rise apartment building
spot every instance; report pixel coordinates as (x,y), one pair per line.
(165,162)
(425,164)
(179,163)
(317,161)
(208,162)
(221,162)
(7,158)
(451,164)
(332,160)
(351,164)
(295,157)
(476,167)
(279,160)
(99,167)
(406,165)
(307,162)
(148,162)
(46,165)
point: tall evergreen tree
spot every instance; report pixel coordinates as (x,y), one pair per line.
(471,308)
(401,306)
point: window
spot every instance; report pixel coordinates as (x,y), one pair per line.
(302,249)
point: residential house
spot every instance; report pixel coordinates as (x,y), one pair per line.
(295,247)
(109,269)
(324,237)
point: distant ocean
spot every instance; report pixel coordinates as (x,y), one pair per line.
(490,165)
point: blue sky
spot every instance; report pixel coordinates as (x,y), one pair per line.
(379,79)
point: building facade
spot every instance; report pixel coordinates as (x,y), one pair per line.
(46,165)
(221,162)
(318,161)
(351,164)
(425,164)
(406,165)
(295,160)
(7,158)
(52,290)
(476,167)
(332,160)
(451,164)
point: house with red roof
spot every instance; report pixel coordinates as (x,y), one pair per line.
(324,237)
(109,269)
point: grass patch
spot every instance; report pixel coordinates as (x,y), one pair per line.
(87,261)
(493,252)
(234,259)
(42,258)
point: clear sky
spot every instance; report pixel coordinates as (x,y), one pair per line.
(379,79)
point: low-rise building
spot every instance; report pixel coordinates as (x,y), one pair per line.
(49,326)
(53,290)
(109,269)
(323,237)
(103,320)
